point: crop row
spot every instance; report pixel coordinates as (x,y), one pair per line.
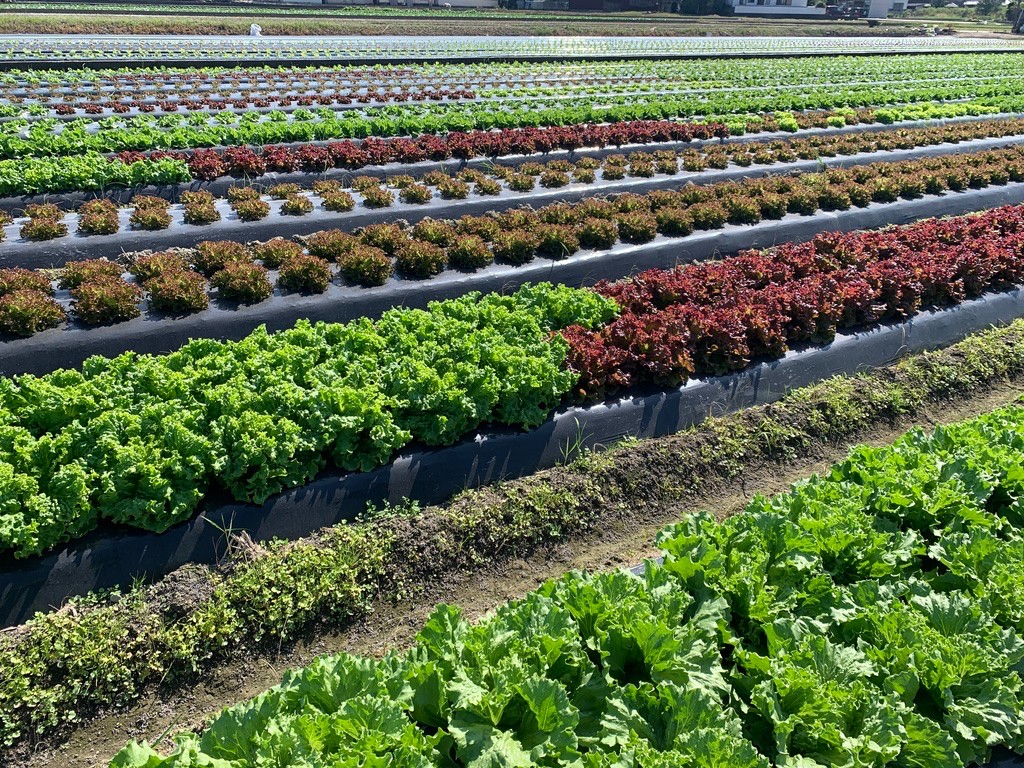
(102,111)
(140,440)
(229,95)
(249,162)
(189,79)
(712,318)
(871,616)
(102,103)
(452,48)
(103,654)
(171,101)
(636,76)
(564,82)
(35,92)
(246,81)
(143,133)
(473,143)
(839,69)
(92,171)
(175,282)
(200,208)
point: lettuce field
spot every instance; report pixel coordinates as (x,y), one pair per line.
(308,343)
(869,616)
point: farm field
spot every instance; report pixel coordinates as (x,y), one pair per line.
(167,48)
(338,10)
(234,19)
(103,21)
(601,515)
(301,336)
(708,656)
(371,11)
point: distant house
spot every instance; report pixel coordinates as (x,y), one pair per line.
(775,8)
(880,9)
(659,6)
(408,3)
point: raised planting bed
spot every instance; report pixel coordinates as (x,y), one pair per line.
(673,326)
(115,557)
(157,332)
(52,138)
(707,658)
(220,108)
(110,51)
(239,106)
(666,167)
(264,597)
(456,151)
(76,177)
(572,244)
(262,115)
(492,80)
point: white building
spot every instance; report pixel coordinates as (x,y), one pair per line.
(880,9)
(775,8)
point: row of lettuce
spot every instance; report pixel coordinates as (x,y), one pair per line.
(835,69)
(106,650)
(140,440)
(506,76)
(175,283)
(198,208)
(313,158)
(42,138)
(537,132)
(870,616)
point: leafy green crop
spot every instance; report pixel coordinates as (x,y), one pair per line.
(868,617)
(140,440)
(88,171)
(146,133)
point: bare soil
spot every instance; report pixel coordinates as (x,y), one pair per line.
(610,544)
